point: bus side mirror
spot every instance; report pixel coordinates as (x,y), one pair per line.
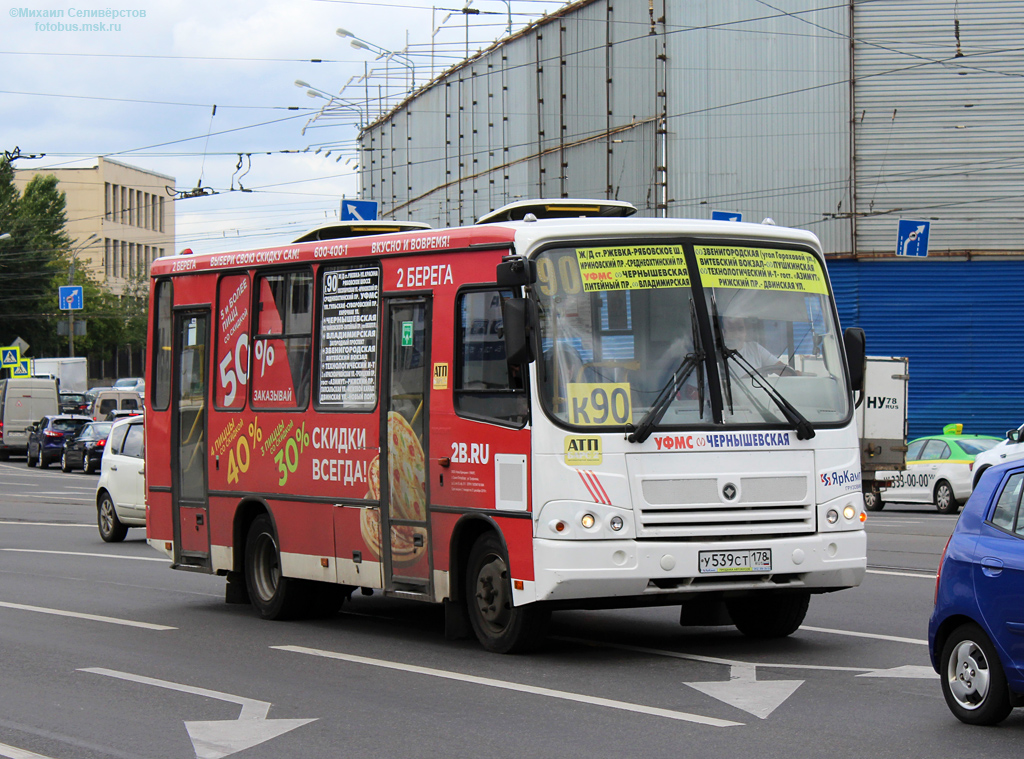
(519,315)
(1013,436)
(516,271)
(854,340)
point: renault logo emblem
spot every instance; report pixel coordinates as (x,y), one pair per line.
(729,491)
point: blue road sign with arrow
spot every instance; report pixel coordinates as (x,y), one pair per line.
(71,298)
(912,238)
(726,216)
(359,210)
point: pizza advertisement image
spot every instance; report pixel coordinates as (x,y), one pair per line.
(406,478)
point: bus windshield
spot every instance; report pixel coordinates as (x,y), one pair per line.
(618,323)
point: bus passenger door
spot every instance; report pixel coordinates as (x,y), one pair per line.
(188,439)
(404,425)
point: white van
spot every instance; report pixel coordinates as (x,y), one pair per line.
(23,402)
(112,399)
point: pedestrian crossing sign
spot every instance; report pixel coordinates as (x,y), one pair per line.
(10,356)
(23,369)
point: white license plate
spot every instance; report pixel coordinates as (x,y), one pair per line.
(754,560)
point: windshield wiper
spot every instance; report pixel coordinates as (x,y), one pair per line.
(804,429)
(667,394)
(720,340)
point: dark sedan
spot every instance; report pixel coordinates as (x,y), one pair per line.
(46,437)
(73,403)
(85,450)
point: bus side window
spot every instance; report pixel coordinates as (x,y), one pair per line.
(160,392)
(485,386)
(231,371)
(280,369)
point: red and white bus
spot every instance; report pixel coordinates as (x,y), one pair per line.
(531,413)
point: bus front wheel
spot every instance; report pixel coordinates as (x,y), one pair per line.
(500,626)
(274,595)
(769,615)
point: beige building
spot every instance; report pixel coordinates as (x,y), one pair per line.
(119,218)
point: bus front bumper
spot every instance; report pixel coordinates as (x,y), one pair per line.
(594,569)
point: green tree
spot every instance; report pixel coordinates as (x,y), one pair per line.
(30,260)
(135,310)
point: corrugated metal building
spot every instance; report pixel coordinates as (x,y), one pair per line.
(840,119)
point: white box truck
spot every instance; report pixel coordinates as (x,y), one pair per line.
(882,423)
(72,374)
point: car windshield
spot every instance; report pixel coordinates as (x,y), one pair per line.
(96,430)
(976,446)
(131,382)
(617,324)
(67,425)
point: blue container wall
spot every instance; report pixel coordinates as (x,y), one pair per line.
(959,324)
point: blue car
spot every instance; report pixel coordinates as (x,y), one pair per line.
(976,632)
(46,437)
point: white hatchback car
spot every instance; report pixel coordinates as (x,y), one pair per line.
(121,491)
(1008,450)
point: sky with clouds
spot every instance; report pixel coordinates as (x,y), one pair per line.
(139,87)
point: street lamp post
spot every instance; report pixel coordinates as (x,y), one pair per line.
(71,280)
(380,52)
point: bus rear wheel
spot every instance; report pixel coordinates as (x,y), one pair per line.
(274,595)
(769,615)
(500,626)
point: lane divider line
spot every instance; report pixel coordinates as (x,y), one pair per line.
(12,752)
(89,617)
(873,636)
(708,659)
(48,524)
(900,574)
(518,687)
(81,553)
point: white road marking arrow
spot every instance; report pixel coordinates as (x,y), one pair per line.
(214,739)
(744,691)
(354,211)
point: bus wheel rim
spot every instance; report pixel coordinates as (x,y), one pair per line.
(493,603)
(267,573)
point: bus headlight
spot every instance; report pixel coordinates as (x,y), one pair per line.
(832,516)
(579,520)
(849,512)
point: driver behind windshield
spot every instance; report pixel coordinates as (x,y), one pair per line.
(739,334)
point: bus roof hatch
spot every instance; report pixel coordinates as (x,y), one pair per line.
(343,229)
(558,208)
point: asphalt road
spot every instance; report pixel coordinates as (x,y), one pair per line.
(105,652)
